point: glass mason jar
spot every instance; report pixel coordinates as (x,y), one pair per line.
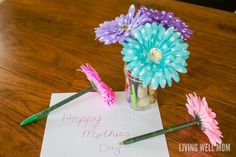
(139,98)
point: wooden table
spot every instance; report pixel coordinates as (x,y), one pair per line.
(43,42)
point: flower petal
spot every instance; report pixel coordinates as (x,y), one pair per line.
(174,75)
(131,12)
(168,77)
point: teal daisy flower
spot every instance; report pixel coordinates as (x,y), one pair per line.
(155,55)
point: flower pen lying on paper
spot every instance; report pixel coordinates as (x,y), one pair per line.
(96,84)
(204,118)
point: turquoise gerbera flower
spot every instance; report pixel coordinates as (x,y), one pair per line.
(155,55)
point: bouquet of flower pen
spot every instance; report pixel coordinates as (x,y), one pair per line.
(154,50)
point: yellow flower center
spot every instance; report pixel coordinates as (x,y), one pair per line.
(155,55)
(124,27)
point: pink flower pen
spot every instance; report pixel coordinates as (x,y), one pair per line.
(96,84)
(203,117)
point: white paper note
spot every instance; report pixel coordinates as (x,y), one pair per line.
(87,127)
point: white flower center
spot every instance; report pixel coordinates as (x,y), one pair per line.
(155,55)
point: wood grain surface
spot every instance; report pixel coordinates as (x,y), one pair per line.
(43,42)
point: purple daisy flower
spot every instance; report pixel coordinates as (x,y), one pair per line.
(168,20)
(117,30)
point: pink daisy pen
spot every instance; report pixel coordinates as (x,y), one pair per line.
(96,84)
(204,117)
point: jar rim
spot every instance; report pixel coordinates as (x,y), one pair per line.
(128,74)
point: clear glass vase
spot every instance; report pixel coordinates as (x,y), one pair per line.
(139,98)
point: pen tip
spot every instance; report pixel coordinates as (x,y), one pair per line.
(22,123)
(30,120)
(121,143)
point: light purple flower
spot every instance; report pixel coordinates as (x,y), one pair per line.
(117,30)
(168,20)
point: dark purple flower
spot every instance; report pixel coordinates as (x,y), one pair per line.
(117,30)
(168,20)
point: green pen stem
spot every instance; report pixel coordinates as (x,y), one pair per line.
(133,97)
(45,112)
(160,132)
